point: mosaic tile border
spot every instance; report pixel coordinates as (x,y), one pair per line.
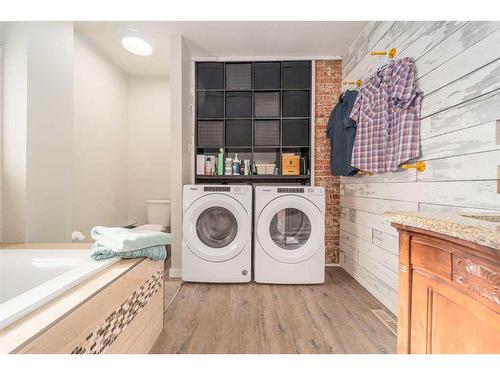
(101,338)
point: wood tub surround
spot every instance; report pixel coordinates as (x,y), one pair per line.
(449,298)
(120,310)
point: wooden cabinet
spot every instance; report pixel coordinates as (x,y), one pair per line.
(449,298)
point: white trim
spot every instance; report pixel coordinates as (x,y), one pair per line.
(192,77)
(312,153)
(334,265)
(263,58)
(175,272)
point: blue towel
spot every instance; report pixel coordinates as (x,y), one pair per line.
(126,243)
(153,252)
(122,239)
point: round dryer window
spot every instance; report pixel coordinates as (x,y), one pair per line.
(216,227)
(290,228)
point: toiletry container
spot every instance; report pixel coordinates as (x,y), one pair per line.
(236,165)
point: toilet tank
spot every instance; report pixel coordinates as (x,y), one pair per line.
(158,212)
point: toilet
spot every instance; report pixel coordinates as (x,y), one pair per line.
(158,215)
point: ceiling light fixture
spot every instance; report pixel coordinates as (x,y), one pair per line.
(137,45)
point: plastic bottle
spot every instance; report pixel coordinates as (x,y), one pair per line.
(236,165)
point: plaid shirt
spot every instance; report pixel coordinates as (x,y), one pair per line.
(387,115)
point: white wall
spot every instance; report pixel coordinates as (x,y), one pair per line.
(181,140)
(14,131)
(49,132)
(459,72)
(149,150)
(37,131)
(100,140)
(1,126)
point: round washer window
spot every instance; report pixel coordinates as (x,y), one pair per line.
(290,228)
(216,227)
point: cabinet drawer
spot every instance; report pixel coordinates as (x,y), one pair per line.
(478,277)
(432,256)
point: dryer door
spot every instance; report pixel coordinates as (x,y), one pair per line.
(216,227)
(291,229)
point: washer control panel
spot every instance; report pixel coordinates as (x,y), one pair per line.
(217,188)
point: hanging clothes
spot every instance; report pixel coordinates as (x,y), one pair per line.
(387,116)
(341,130)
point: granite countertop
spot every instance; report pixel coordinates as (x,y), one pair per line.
(480,228)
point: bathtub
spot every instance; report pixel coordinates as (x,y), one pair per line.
(29,278)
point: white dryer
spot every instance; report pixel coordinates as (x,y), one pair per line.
(289,235)
(216,233)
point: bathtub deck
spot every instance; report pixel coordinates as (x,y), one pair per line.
(335,317)
(16,335)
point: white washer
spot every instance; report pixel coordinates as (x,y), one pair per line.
(216,233)
(289,235)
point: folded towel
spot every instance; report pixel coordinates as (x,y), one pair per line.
(125,240)
(154,252)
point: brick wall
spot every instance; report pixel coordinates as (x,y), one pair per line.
(328,87)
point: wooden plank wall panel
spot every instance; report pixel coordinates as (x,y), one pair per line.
(458,65)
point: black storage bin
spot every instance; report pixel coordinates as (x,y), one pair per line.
(210,75)
(267,133)
(267,104)
(210,104)
(267,75)
(238,104)
(296,132)
(238,76)
(238,133)
(296,74)
(210,134)
(296,104)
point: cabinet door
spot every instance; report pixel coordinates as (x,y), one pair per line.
(445,320)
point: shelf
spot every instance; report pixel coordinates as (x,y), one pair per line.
(254,177)
(255,147)
(250,90)
(257,97)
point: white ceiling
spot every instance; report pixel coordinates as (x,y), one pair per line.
(220,39)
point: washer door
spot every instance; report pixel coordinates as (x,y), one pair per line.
(290,229)
(216,227)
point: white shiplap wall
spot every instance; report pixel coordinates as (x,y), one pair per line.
(458,65)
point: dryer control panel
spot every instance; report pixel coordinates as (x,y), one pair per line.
(290,190)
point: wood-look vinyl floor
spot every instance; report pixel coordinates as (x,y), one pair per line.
(334,317)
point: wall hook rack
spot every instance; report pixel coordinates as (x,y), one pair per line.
(420,166)
(391,53)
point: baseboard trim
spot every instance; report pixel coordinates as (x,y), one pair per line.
(333,265)
(174,272)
